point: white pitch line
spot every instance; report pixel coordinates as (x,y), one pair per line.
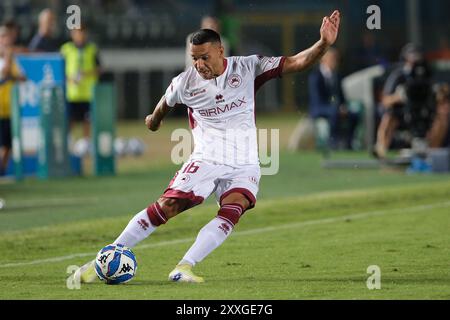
(355,216)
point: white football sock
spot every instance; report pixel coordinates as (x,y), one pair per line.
(137,230)
(209,238)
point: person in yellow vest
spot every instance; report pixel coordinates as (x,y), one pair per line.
(82,72)
(9,73)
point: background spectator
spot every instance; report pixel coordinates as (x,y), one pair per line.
(9,73)
(82,72)
(405,99)
(14,31)
(43,40)
(327,101)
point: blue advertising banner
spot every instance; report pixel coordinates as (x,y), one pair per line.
(41,70)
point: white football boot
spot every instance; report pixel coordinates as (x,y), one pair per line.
(86,273)
(183,273)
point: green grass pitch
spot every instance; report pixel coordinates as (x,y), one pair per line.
(312,235)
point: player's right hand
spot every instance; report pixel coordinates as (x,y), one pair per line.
(150,123)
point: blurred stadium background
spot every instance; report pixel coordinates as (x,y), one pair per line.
(142,43)
(269,27)
(142,46)
(157,31)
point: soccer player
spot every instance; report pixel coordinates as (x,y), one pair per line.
(219,93)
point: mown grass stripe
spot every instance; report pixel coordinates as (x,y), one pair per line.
(361,215)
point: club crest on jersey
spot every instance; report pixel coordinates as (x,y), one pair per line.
(234,80)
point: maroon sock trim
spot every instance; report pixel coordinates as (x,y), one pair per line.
(231,212)
(156,214)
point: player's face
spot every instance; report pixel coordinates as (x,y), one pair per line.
(207,59)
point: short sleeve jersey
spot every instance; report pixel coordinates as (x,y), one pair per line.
(221,111)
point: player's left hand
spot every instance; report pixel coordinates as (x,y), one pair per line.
(330,28)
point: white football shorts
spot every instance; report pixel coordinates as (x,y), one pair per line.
(197,180)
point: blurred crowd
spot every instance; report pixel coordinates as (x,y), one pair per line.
(412,103)
(82,69)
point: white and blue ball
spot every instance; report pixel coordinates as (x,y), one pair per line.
(115,264)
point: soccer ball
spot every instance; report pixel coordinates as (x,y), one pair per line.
(115,264)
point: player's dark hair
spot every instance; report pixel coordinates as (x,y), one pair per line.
(203,36)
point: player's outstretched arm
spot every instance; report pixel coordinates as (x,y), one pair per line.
(153,121)
(305,59)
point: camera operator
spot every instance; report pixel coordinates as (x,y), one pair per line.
(407,99)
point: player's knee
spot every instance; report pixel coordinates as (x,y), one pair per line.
(231,212)
(237,198)
(172,206)
(162,210)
